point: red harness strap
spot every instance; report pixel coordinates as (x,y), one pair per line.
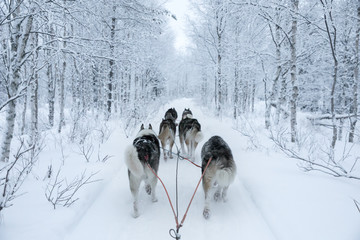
(192,162)
(167,194)
(178,226)
(202,176)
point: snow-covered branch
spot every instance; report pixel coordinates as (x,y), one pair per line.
(330,167)
(14,173)
(60,192)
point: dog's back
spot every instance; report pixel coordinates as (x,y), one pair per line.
(167,134)
(189,132)
(148,149)
(220,173)
(144,150)
(189,124)
(167,124)
(222,160)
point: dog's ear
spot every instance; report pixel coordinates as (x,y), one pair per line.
(142,127)
(150,127)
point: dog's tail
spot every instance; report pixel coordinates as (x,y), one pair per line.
(225,176)
(132,161)
(199,136)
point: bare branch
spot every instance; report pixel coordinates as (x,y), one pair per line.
(332,167)
(61,193)
(15,172)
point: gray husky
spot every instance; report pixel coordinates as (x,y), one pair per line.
(171,114)
(144,150)
(220,172)
(189,133)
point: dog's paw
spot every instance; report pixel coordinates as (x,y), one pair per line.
(135,213)
(206,213)
(148,189)
(217,196)
(154,199)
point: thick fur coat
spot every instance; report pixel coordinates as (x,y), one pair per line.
(189,133)
(142,154)
(167,135)
(220,173)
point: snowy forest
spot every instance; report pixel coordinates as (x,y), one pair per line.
(72,72)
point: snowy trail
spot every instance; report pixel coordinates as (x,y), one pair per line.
(271,198)
(109,216)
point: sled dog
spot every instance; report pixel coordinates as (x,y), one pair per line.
(167,135)
(220,172)
(144,149)
(171,114)
(186,113)
(189,133)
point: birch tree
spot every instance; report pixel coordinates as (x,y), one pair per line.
(332,35)
(19,23)
(293,72)
(63,70)
(355,81)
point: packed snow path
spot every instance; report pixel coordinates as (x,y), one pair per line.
(109,217)
(271,197)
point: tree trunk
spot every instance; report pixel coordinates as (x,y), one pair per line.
(219,79)
(276,96)
(51,82)
(332,42)
(51,93)
(34,97)
(253,95)
(204,88)
(354,107)
(220,26)
(111,62)
(62,91)
(62,79)
(19,36)
(236,91)
(267,105)
(23,125)
(293,73)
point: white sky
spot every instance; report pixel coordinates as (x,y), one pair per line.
(180,9)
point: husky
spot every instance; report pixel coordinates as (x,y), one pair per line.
(189,133)
(167,135)
(186,113)
(144,151)
(171,114)
(220,172)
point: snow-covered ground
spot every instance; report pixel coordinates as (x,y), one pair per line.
(271,197)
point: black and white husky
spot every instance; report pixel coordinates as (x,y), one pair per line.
(187,112)
(189,133)
(220,172)
(171,114)
(145,149)
(167,135)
